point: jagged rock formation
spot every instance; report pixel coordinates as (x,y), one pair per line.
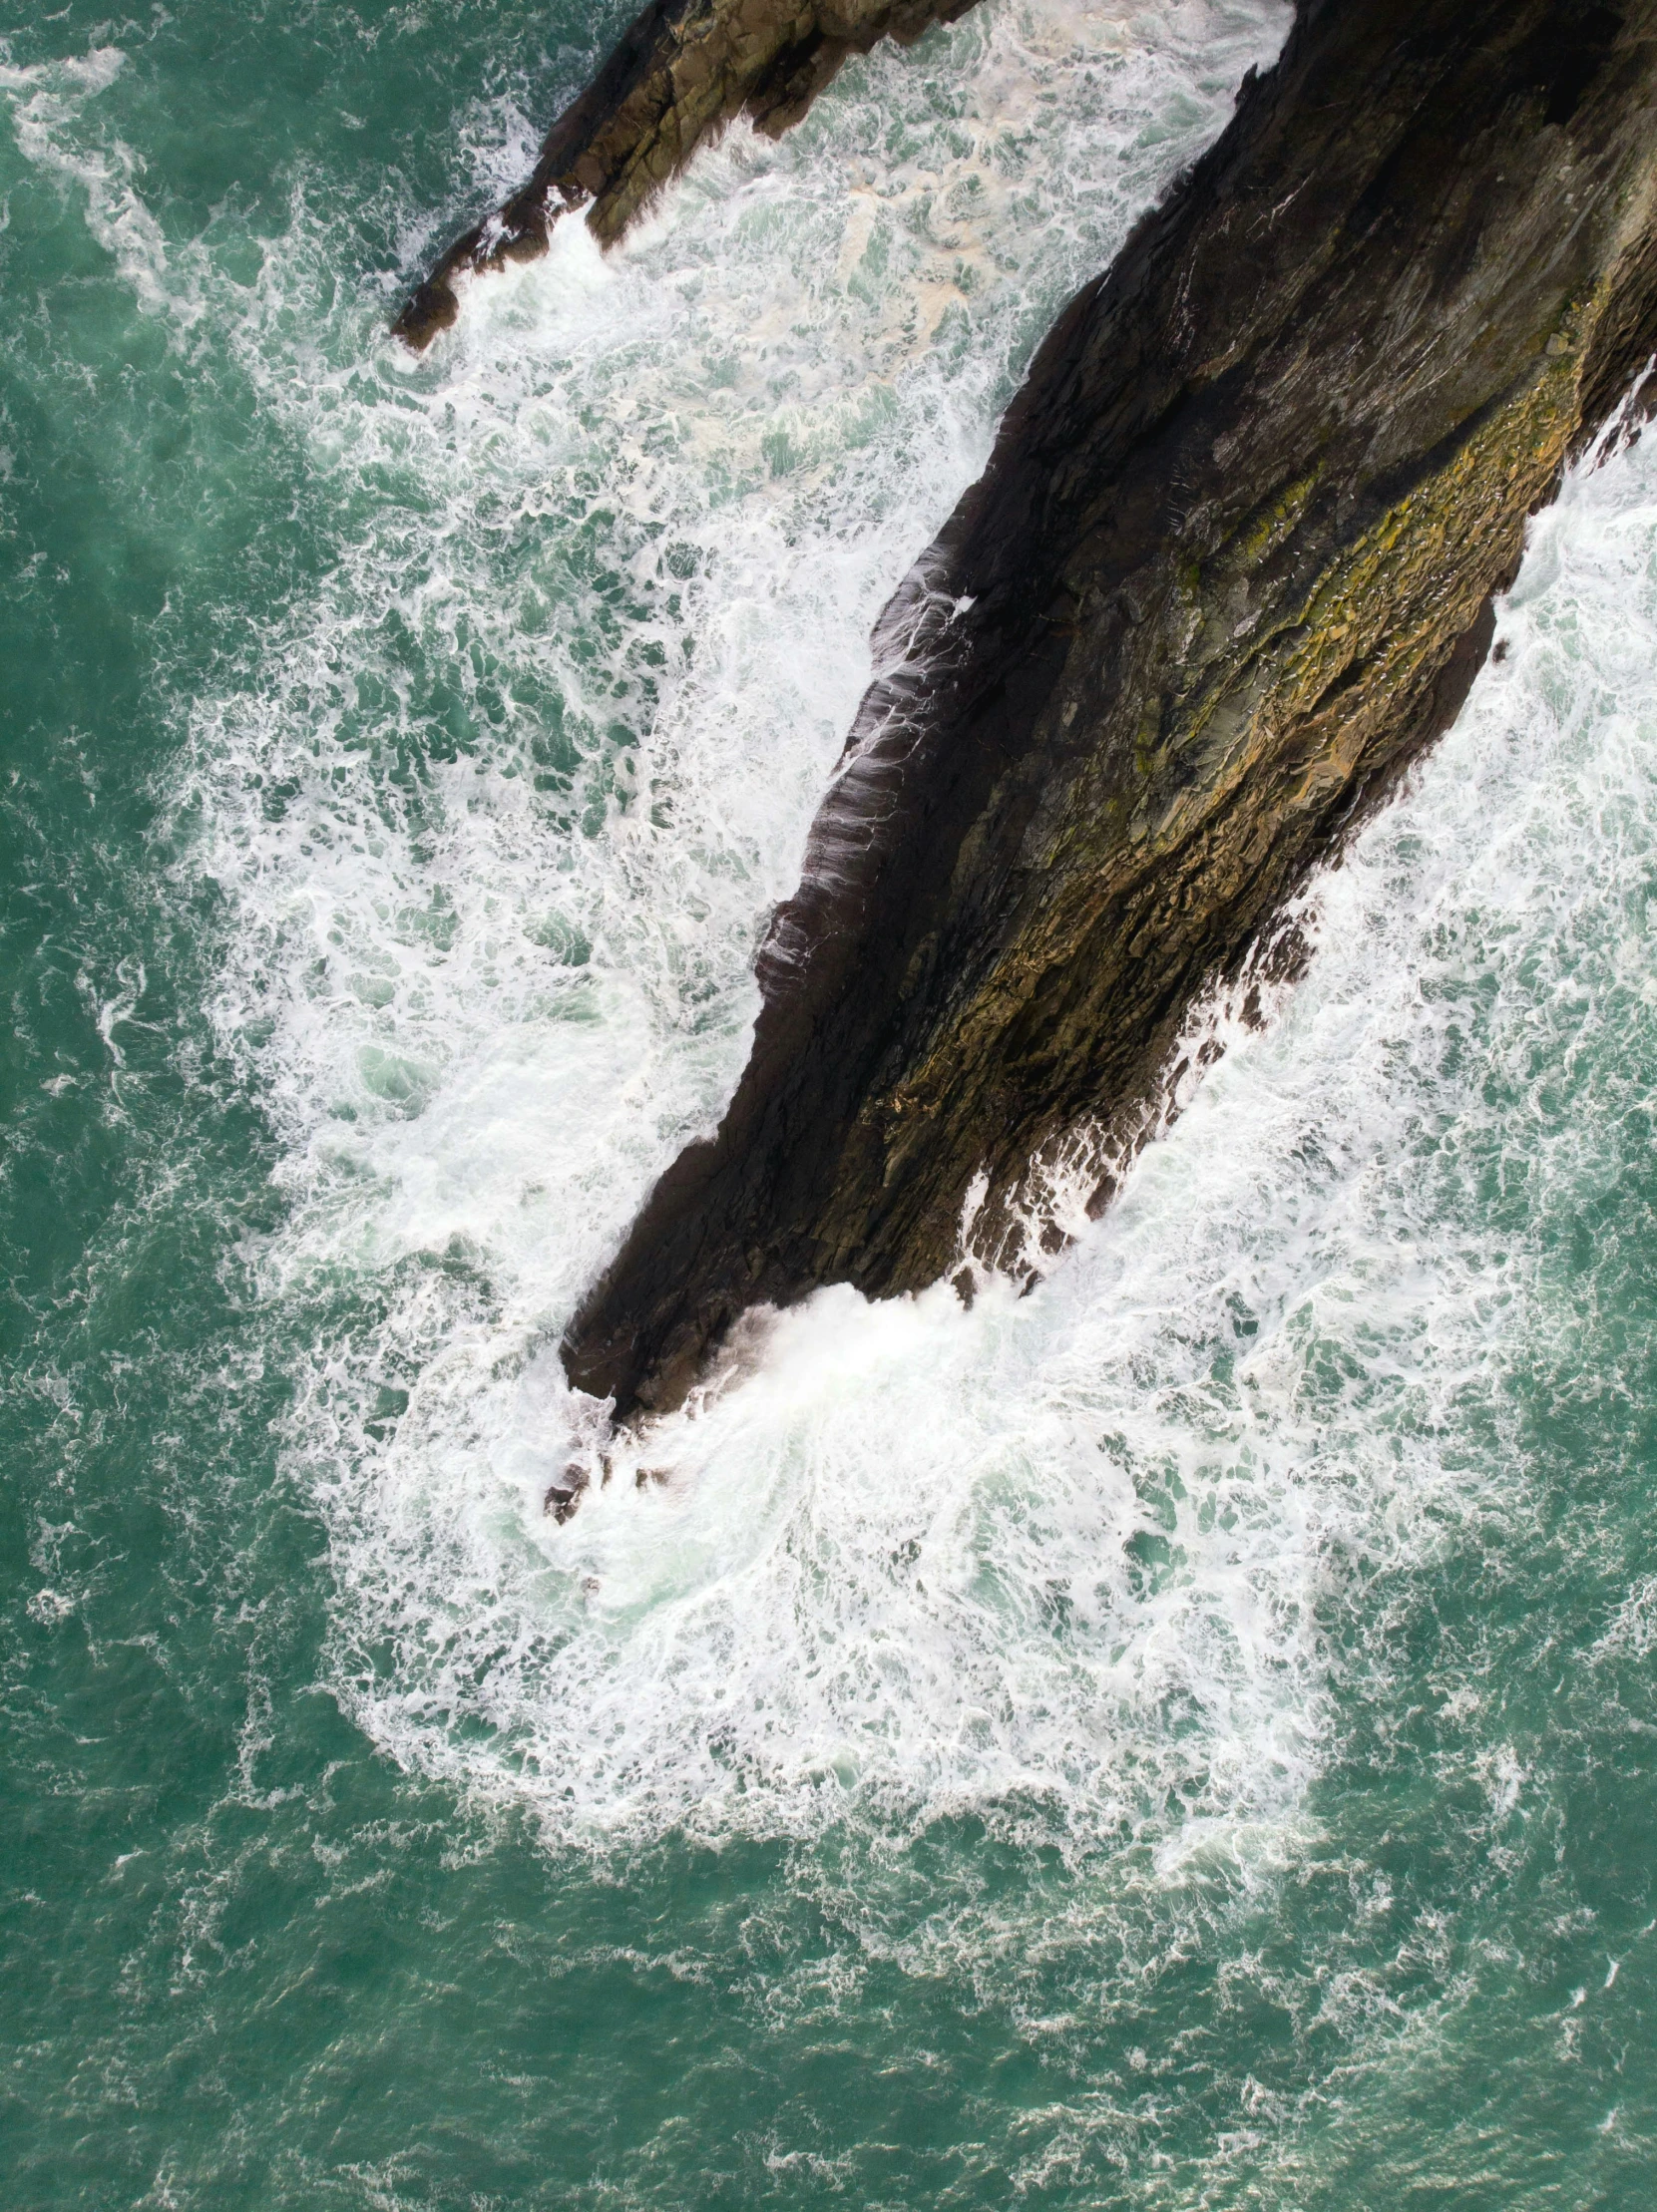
(683,71)
(1230,569)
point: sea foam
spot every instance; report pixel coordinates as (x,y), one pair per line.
(500,815)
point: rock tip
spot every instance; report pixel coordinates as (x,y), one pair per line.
(425,312)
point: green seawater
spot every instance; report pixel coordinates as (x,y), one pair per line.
(1183,1739)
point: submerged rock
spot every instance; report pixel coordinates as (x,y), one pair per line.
(683,71)
(1230,569)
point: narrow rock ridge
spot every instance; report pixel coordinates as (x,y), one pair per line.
(1230,569)
(683,71)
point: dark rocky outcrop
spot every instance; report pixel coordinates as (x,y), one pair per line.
(683,71)
(1230,569)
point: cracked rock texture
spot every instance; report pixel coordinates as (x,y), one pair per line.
(683,71)
(1230,569)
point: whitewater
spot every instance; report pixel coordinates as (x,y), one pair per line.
(1177,1737)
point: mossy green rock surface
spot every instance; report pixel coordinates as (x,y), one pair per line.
(1230,567)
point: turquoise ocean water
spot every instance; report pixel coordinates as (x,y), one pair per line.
(1183,1740)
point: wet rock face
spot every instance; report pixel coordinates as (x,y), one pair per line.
(1230,569)
(683,71)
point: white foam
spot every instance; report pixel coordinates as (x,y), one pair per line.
(48,105)
(1066,1561)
